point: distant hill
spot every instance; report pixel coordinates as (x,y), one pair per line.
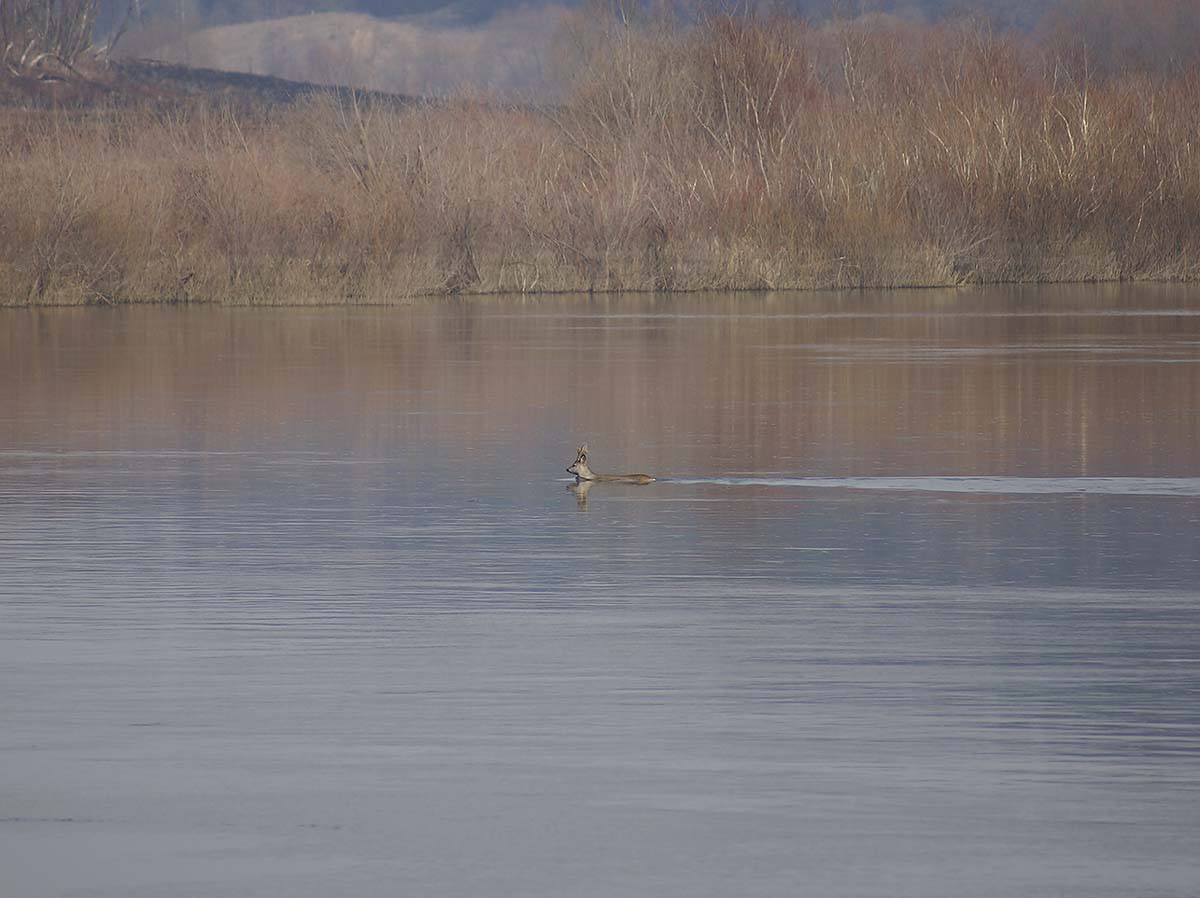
(420,55)
(426,47)
(125,82)
(224,12)
(496,46)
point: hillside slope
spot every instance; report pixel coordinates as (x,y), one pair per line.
(413,56)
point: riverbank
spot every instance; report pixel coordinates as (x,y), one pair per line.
(737,153)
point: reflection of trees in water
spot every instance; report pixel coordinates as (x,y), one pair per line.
(840,387)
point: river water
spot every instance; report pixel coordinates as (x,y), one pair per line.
(300,602)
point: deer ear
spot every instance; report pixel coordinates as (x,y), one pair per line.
(583,449)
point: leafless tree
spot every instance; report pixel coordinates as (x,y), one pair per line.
(32,31)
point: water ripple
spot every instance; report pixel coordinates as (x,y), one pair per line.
(1182,487)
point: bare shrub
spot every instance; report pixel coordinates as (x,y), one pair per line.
(743,151)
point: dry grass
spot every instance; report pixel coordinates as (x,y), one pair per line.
(739,153)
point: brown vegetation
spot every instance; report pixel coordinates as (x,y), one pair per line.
(739,152)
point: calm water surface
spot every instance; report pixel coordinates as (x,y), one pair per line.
(300,603)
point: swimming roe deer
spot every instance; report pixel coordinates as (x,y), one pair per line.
(583,473)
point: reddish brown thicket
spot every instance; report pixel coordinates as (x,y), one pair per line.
(736,152)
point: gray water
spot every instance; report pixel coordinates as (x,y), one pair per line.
(302,603)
